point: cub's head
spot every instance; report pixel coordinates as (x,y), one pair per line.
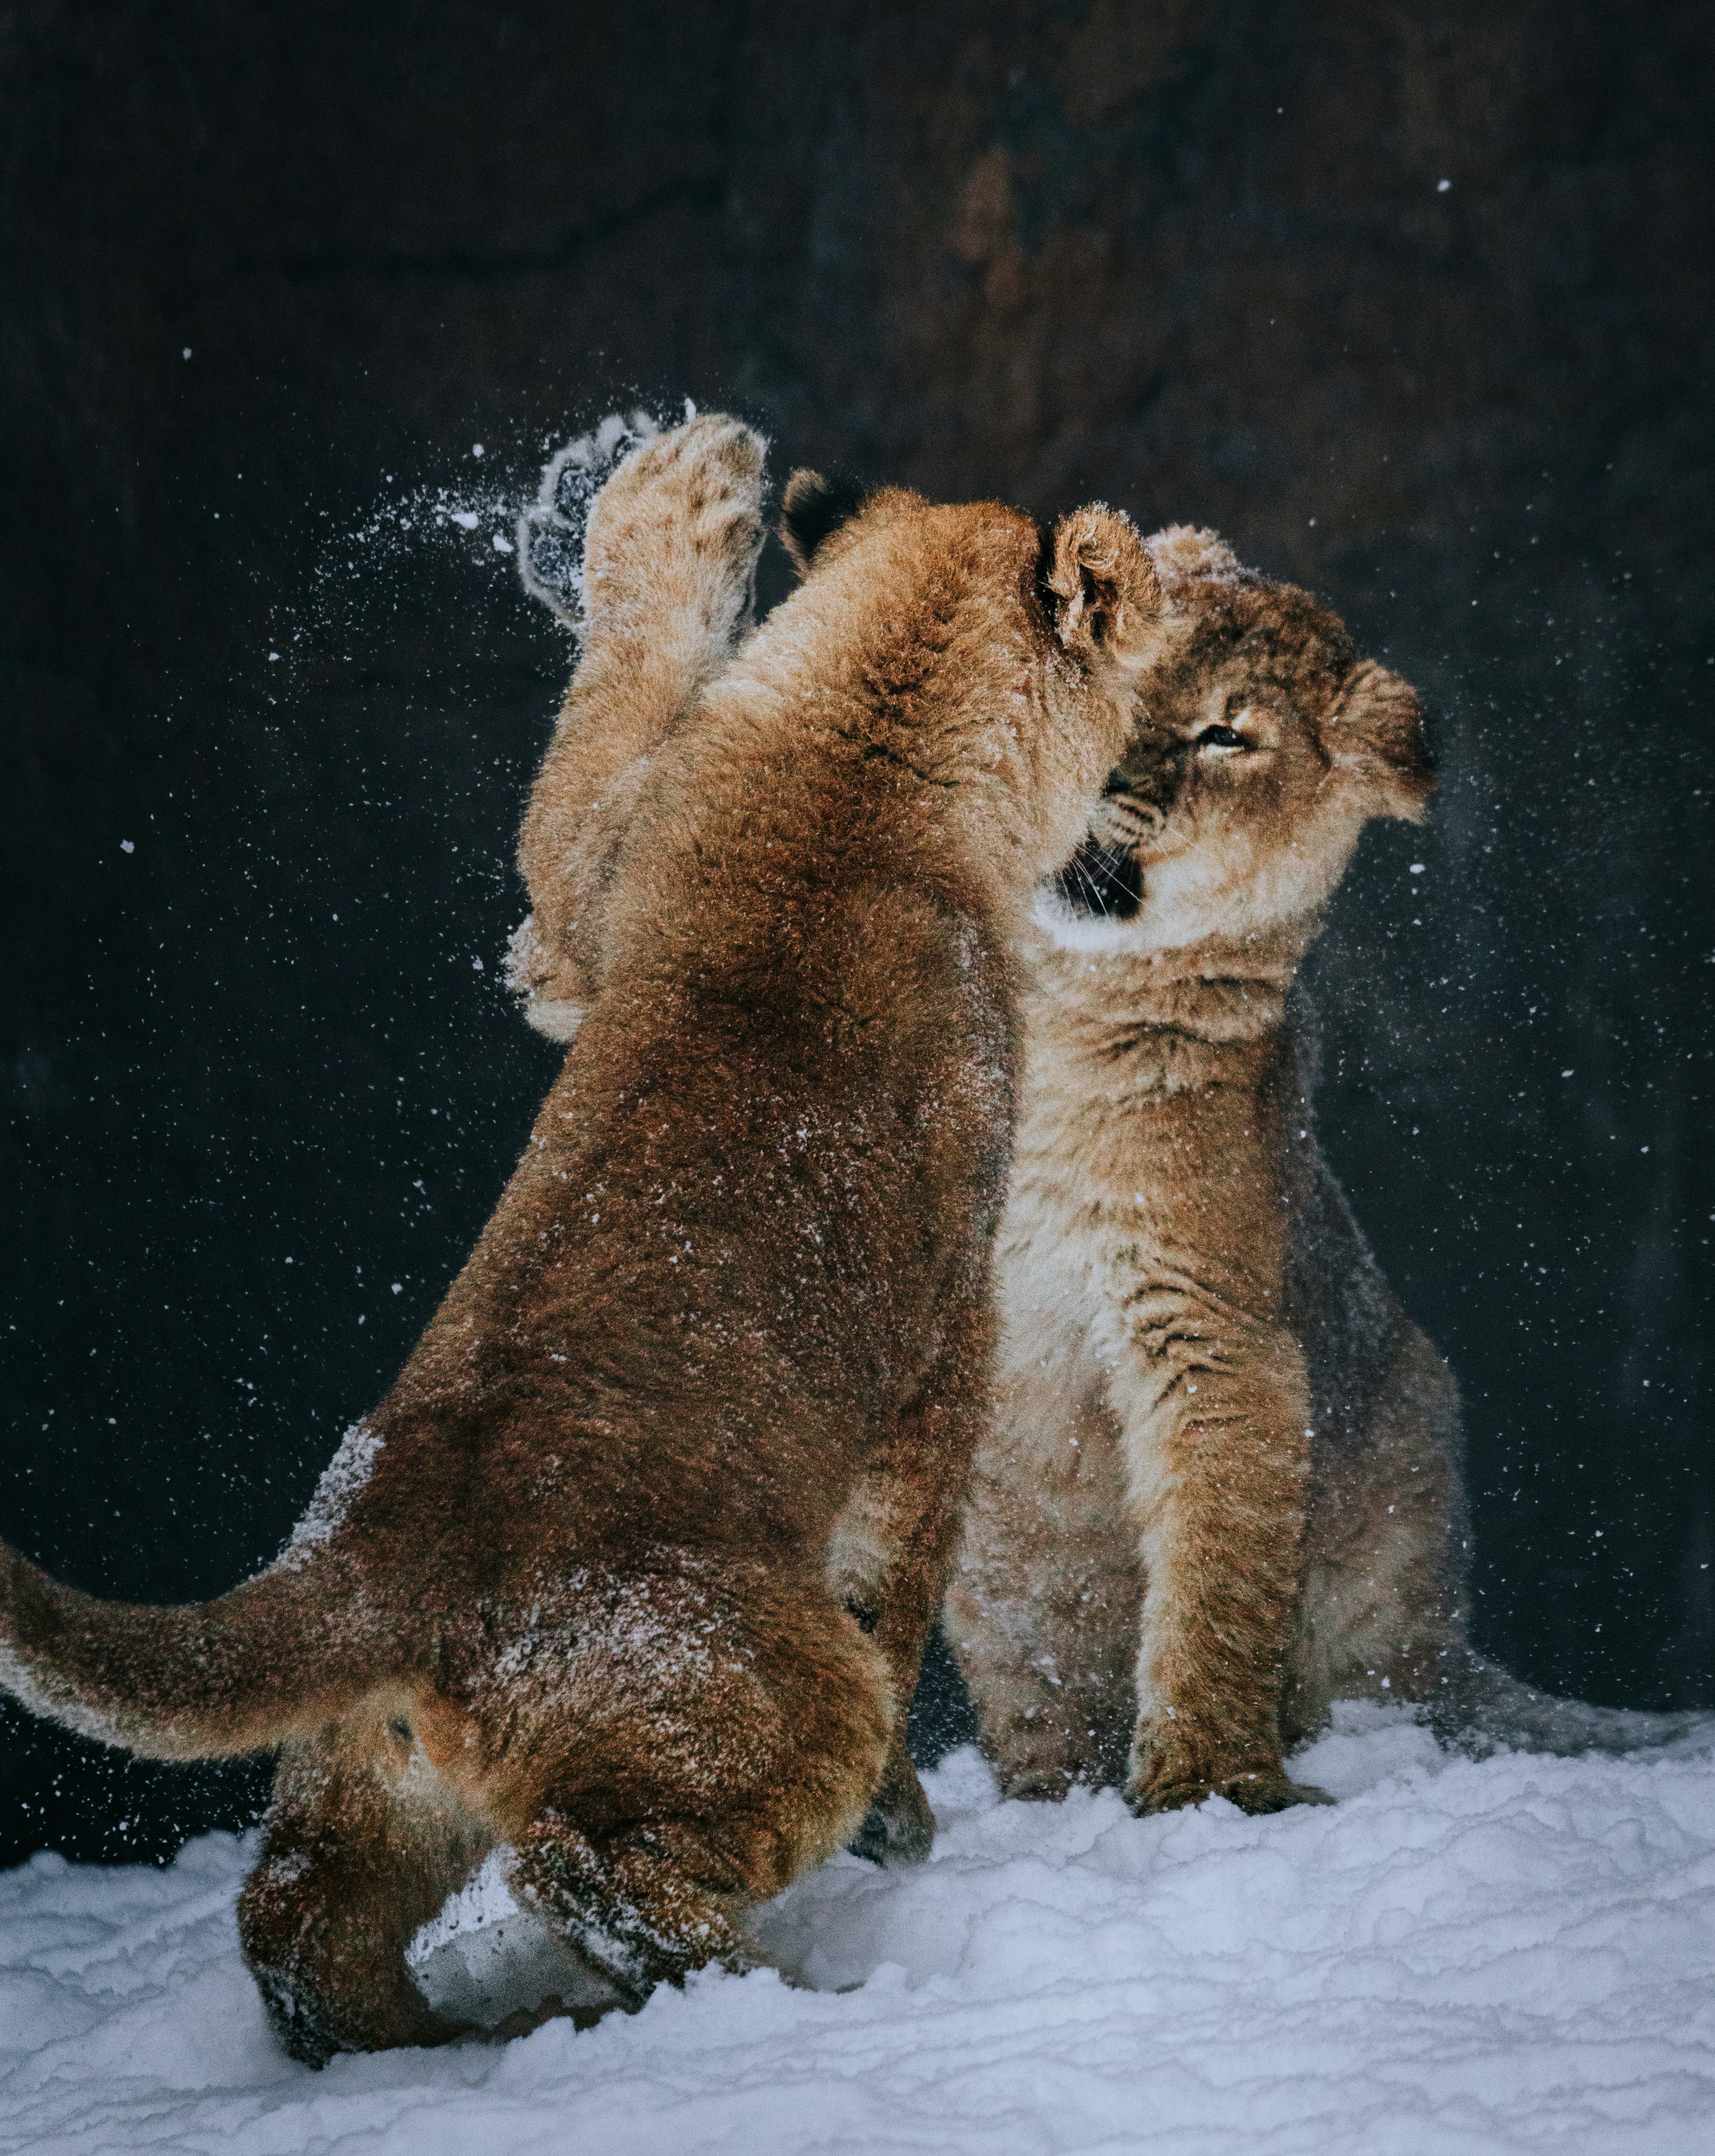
(998,659)
(1261,746)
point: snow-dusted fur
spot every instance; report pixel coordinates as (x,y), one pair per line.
(1223,1488)
(631,1570)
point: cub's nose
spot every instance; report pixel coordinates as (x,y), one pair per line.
(1100,879)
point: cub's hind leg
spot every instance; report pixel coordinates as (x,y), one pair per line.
(695,1763)
(669,572)
(359,1849)
(1042,1606)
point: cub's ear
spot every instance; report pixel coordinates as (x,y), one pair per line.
(813,509)
(1107,599)
(1377,728)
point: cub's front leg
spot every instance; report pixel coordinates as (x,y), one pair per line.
(667,577)
(1213,1411)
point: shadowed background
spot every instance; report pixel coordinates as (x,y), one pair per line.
(1413,302)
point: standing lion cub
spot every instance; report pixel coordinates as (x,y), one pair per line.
(630,1571)
(1223,1486)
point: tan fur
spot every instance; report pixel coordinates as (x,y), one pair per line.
(568,1588)
(1223,1487)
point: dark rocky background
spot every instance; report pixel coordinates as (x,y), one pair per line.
(1197,258)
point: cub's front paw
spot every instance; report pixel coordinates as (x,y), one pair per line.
(676,530)
(668,524)
(1255,1793)
(898,1828)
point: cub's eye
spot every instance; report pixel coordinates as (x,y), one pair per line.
(1221,738)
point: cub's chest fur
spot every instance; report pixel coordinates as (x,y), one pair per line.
(1135,1072)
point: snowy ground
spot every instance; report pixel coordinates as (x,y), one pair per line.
(1460,1958)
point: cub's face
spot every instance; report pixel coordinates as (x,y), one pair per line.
(1261,745)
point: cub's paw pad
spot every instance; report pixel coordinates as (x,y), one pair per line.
(551,531)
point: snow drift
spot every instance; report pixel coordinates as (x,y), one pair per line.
(1461,1957)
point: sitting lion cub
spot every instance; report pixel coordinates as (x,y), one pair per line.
(1223,1487)
(581,1585)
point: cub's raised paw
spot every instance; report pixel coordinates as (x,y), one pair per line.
(669,524)
(1254,1793)
(677,529)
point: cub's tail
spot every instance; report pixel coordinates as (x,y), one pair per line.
(204,1681)
(1484,1709)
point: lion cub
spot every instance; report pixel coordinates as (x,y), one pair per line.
(1223,1486)
(651,651)
(580,1587)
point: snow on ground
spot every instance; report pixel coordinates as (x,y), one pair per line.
(1461,1957)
